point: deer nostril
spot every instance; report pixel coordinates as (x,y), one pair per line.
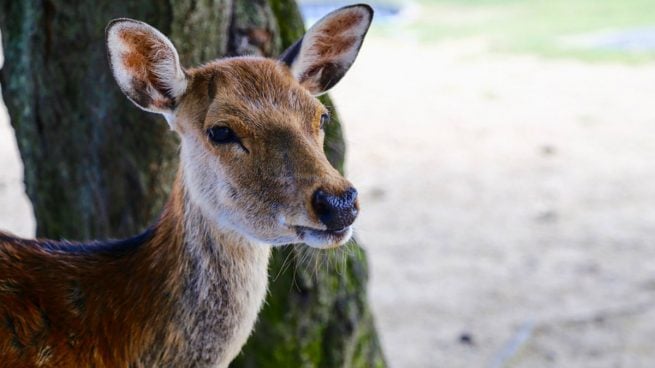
(350,196)
(336,212)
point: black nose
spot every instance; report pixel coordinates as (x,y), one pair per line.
(336,212)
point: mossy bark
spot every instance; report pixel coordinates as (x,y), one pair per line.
(97,167)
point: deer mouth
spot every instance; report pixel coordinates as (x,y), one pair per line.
(323,238)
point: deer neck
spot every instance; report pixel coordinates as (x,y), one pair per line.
(222,283)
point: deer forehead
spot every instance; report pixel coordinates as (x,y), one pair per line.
(253,94)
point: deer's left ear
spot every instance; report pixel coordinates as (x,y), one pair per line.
(325,53)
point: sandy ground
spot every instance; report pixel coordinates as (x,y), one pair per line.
(508,205)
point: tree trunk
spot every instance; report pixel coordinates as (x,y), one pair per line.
(98,167)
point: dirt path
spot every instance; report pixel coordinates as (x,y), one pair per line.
(508,205)
(502,196)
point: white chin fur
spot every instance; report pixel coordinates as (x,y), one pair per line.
(315,238)
(323,240)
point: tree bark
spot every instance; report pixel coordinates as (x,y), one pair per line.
(98,167)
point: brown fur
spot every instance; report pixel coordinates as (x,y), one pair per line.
(337,25)
(334,38)
(62,308)
(145,52)
(75,305)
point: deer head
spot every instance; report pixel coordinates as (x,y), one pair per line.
(251,129)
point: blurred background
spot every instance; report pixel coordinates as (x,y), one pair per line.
(504,151)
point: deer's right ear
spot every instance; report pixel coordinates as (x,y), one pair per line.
(146,66)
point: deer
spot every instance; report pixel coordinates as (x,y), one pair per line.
(253,174)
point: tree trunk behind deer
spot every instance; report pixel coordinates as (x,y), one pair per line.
(97,167)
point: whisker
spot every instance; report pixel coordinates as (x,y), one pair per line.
(284,266)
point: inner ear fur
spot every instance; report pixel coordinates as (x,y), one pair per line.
(329,48)
(145,64)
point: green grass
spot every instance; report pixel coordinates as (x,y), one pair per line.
(530,26)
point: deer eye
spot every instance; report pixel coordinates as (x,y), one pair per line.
(325,119)
(222,135)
